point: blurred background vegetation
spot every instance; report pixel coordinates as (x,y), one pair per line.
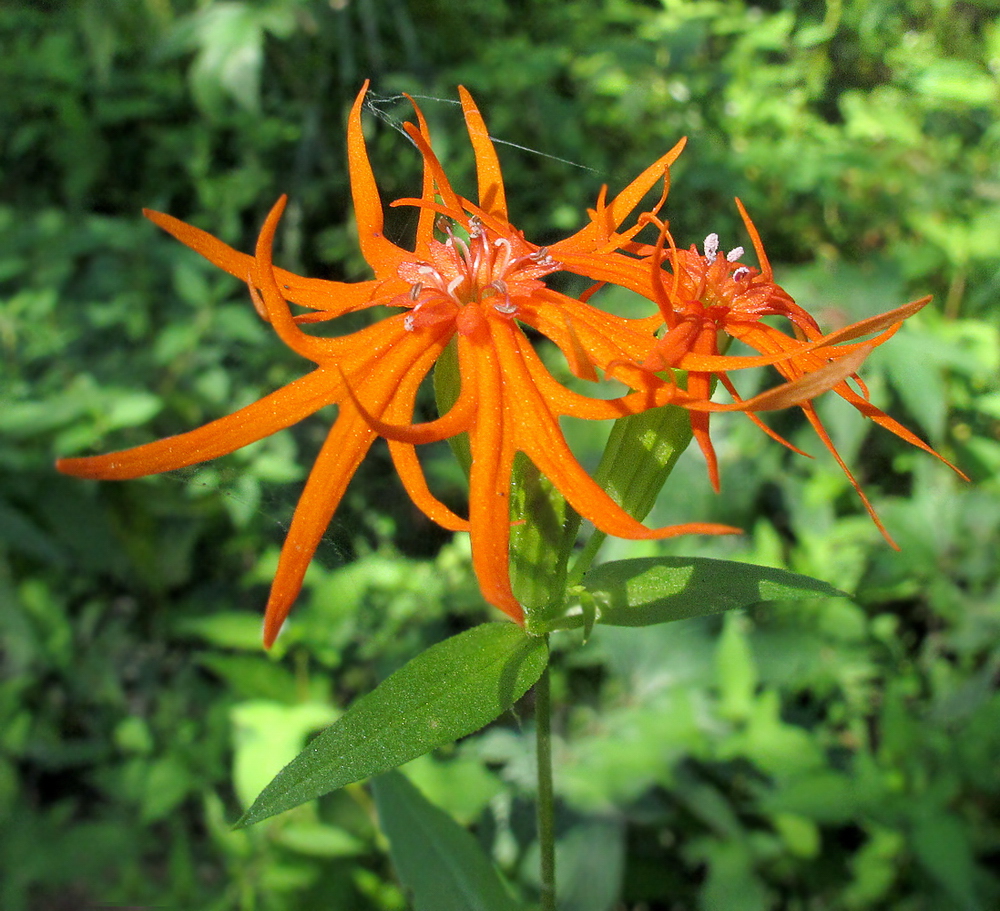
(838,755)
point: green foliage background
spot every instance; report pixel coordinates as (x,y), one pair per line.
(838,755)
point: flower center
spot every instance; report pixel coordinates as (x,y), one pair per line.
(715,281)
(493,272)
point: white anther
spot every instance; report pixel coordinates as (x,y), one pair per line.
(408,322)
(507,307)
(740,273)
(415,290)
(711,247)
(734,254)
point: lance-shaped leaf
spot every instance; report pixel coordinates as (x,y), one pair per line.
(439,863)
(450,690)
(651,590)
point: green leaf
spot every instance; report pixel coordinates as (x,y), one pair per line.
(651,590)
(439,863)
(450,690)
(940,842)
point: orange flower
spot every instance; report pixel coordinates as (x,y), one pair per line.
(478,290)
(710,294)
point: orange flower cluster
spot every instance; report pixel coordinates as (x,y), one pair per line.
(474,281)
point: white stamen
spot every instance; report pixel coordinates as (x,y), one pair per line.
(408,322)
(734,254)
(740,273)
(711,247)
(415,290)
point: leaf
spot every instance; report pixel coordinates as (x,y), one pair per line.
(438,862)
(941,844)
(266,735)
(450,690)
(590,862)
(650,590)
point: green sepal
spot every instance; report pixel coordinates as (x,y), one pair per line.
(450,690)
(641,452)
(649,590)
(440,865)
(542,534)
(447,387)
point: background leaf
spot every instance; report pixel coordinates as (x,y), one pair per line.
(439,863)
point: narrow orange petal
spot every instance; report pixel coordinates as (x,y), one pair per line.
(384,257)
(343,451)
(404,456)
(270,414)
(489,478)
(611,216)
(773,434)
(425,221)
(893,426)
(492,197)
(411,473)
(877,323)
(810,413)
(338,297)
(807,386)
(758,244)
(345,447)
(456,420)
(452,201)
(280,317)
(537,434)
(700,386)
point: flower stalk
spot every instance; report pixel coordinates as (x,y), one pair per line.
(546,794)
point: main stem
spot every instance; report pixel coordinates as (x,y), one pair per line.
(546,803)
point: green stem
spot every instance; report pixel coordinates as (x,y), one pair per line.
(546,803)
(585,558)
